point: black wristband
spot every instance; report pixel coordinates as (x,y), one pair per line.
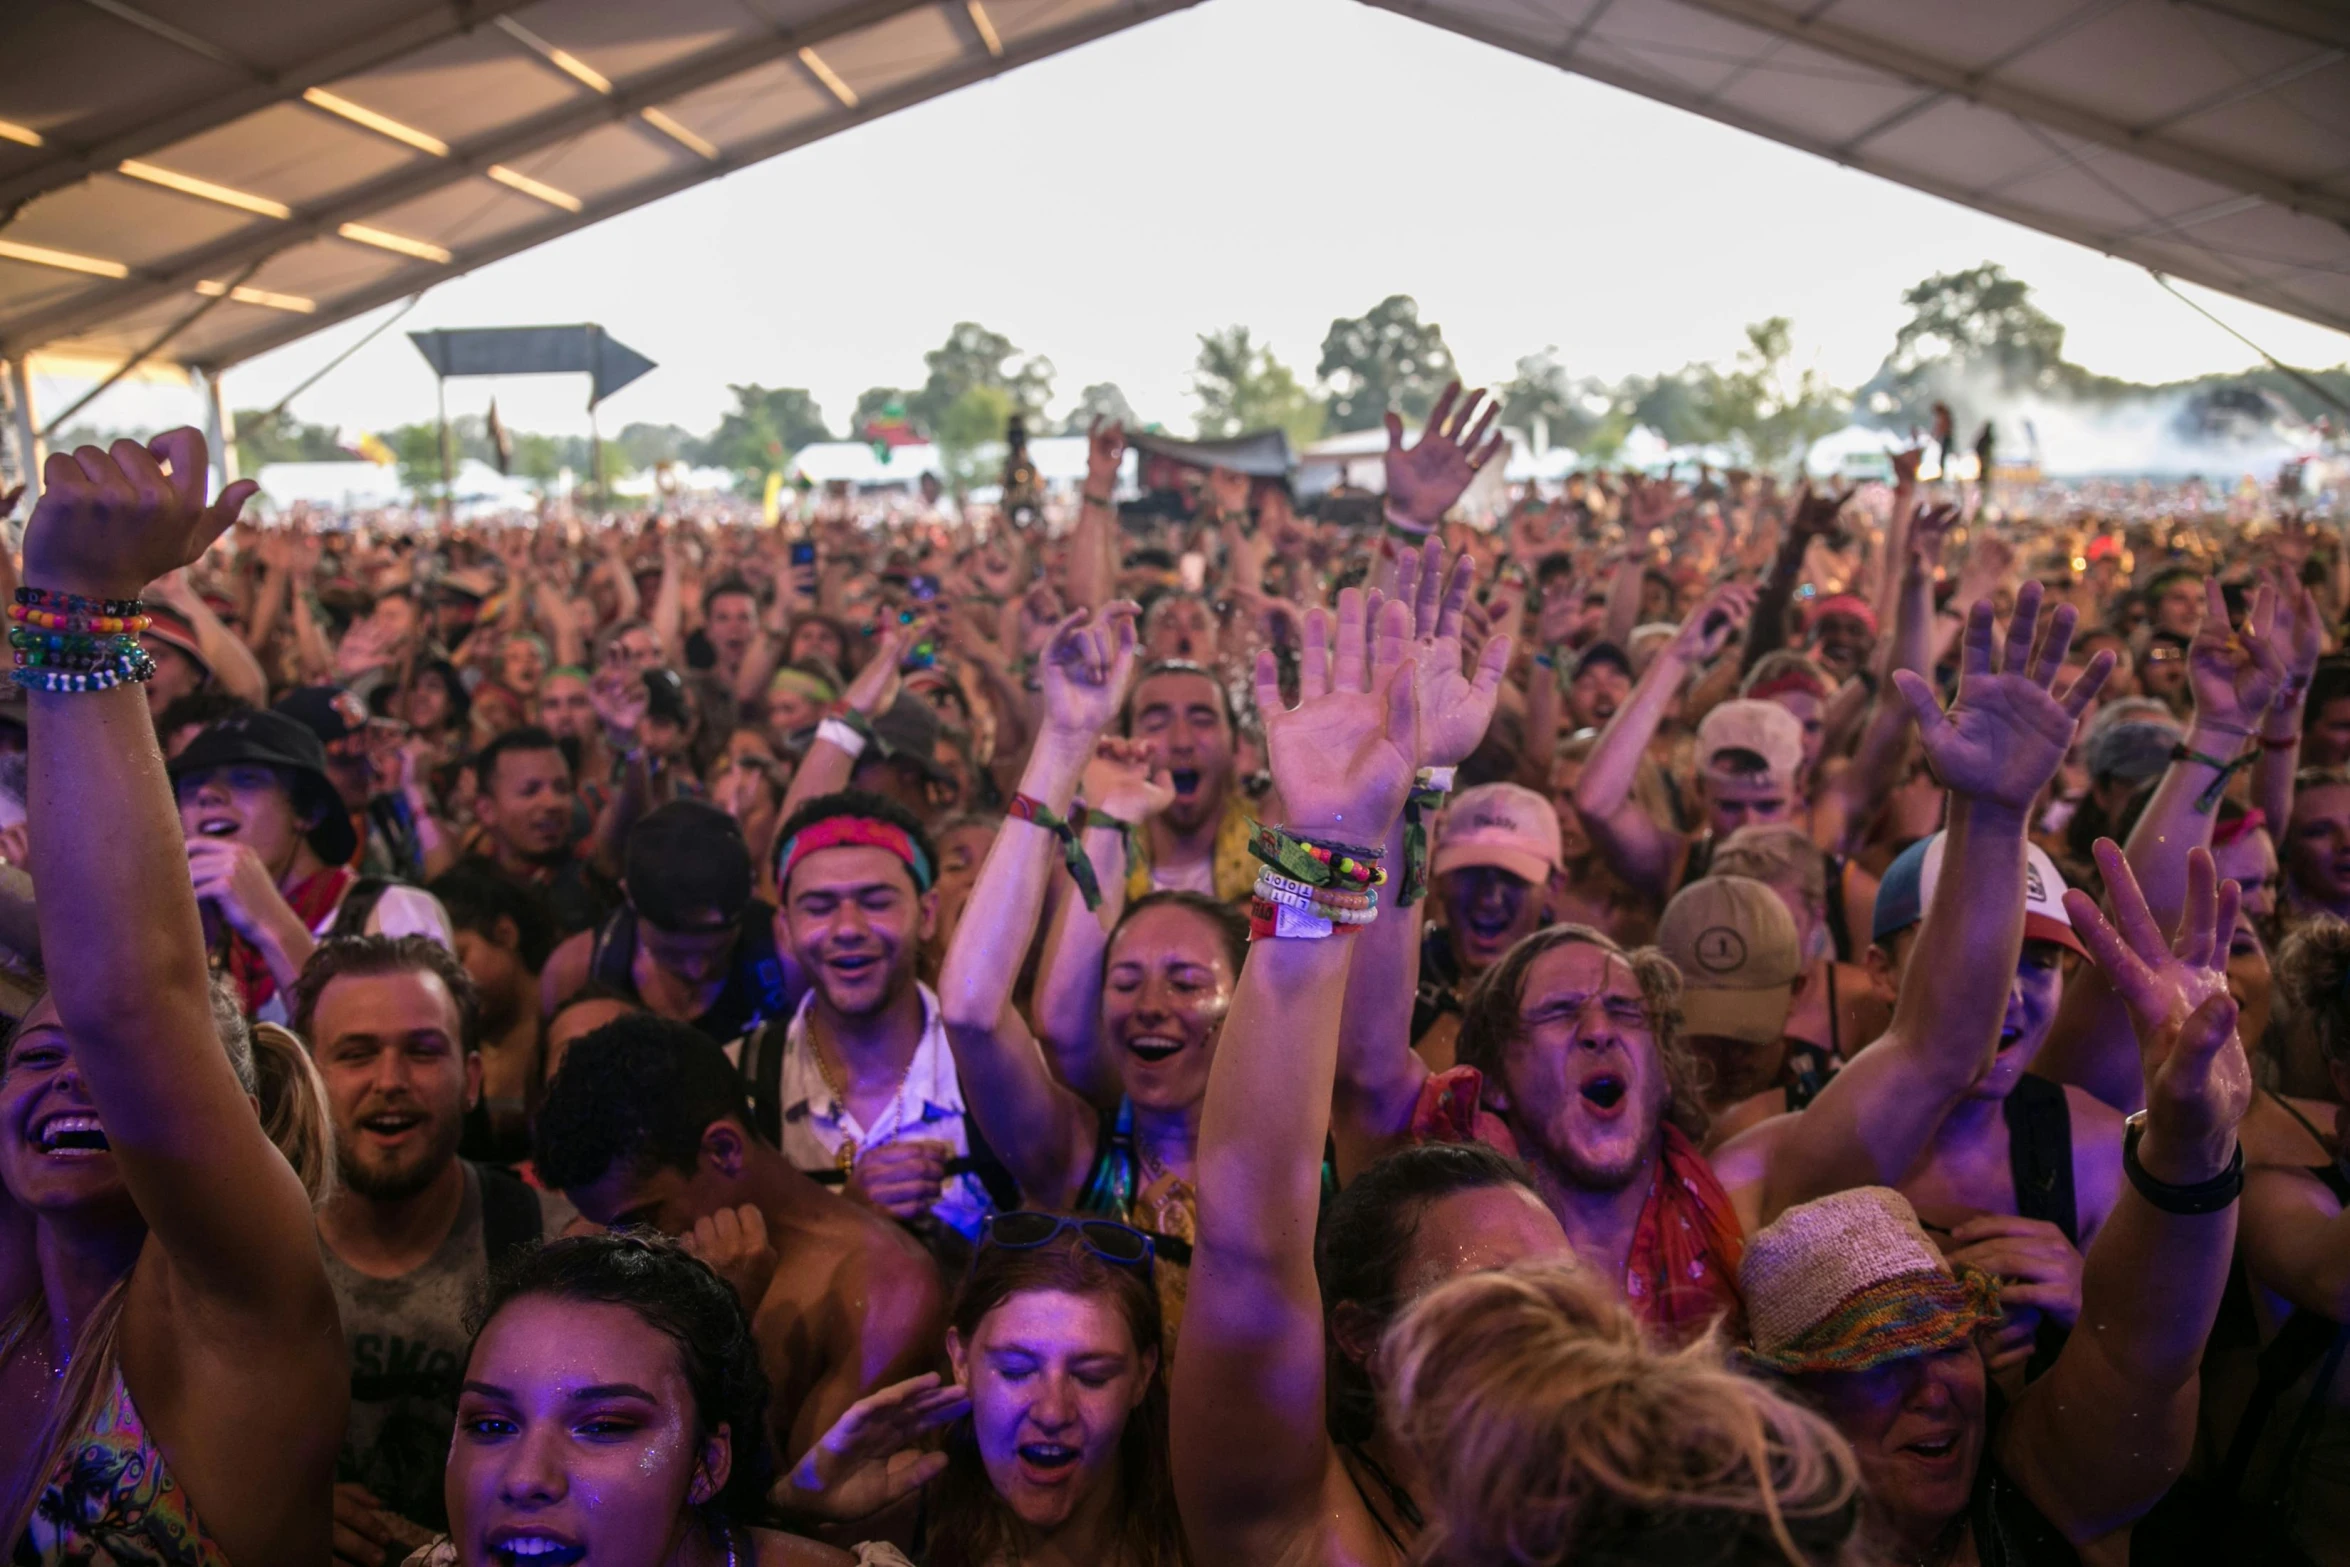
(2202,1197)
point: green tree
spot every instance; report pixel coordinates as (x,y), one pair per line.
(643,445)
(1762,404)
(971,435)
(277,436)
(1571,411)
(418,448)
(1102,400)
(1241,387)
(1973,332)
(973,356)
(1389,358)
(765,426)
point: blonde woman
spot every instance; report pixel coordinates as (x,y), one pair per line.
(1545,1426)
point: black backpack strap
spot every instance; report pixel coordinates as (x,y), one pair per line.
(614,951)
(2040,1154)
(986,1168)
(762,1072)
(510,1214)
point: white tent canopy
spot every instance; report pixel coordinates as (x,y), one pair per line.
(246,172)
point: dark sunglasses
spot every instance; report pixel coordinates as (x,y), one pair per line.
(1105,1238)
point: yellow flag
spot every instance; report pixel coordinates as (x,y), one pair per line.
(372,448)
(770,509)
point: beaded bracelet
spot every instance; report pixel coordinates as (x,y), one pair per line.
(130,666)
(1317,864)
(1027,808)
(1321,900)
(75,604)
(56,620)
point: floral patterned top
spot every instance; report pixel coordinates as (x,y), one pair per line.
(110,1502)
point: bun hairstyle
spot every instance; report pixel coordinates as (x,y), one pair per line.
(1551,1430)
(679,1296)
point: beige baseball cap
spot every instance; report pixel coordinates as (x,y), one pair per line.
(1735,945)
(1765,728)
(1501,824)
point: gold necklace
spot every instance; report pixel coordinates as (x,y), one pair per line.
(844,1158)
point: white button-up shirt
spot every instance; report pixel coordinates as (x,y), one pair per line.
(928,1107)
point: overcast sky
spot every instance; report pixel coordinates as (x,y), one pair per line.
(1273,163)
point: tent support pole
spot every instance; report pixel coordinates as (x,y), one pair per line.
(28,432)
(440,386)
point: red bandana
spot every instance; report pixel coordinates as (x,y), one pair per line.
(839,832)
(311,902)
(1682,1272)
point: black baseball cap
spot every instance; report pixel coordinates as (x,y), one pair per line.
(684,859)
(329,712)
(271,739)
(1602,653)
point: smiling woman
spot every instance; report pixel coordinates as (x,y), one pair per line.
(614,1415)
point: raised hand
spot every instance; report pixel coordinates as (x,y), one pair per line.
(1929,530)
(1343,758)
(1105,449)
(2234,676)
(1455,708)
(1228,492)
(876,687)
(620,699)
(2006,735)
(110,522)
(2198,1081)
(1085,670)
(1423,482)
(2298,633)
(1905,467)
(1707,630)
(1127,780)
(1815,515)
(871,1457)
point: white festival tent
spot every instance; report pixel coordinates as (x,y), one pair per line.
(246,172)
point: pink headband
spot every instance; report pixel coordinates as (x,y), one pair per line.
(844,832)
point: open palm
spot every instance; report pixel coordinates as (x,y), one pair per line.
(1343,758)
(1455,709)
(2235,675)
(2006,734)
(1424,480)
(2198,1079)
(871,1457)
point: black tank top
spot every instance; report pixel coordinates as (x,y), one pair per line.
(754,990)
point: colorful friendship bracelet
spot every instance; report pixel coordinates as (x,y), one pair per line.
(75,604)
(1316,864)
(1028,808)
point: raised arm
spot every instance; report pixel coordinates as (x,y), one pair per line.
(1635,846)
(2152,1281)
(1997,746)
(1045,1131)
(2298,634)
(1379,1076)
(1093,563)
(233,664)
(1127,782)
(2234,680)
(1252,1455)
(226,1208)
(1814,516)
(832,759)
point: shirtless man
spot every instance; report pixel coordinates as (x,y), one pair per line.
(645,1123)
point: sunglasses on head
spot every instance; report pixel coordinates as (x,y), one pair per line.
(1105,1238)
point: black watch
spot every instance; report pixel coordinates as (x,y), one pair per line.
(2202,1197)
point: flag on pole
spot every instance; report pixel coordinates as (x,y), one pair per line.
(771,503)
(500,442)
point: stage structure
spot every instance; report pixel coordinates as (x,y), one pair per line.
(247,172)
(529,350)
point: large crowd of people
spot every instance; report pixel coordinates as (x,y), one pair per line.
(1696,1022)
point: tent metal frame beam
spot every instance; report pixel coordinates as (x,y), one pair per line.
(2247,287)
(427,25)
(2303,19)
(903,96)
(2049,112)
(590,112)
